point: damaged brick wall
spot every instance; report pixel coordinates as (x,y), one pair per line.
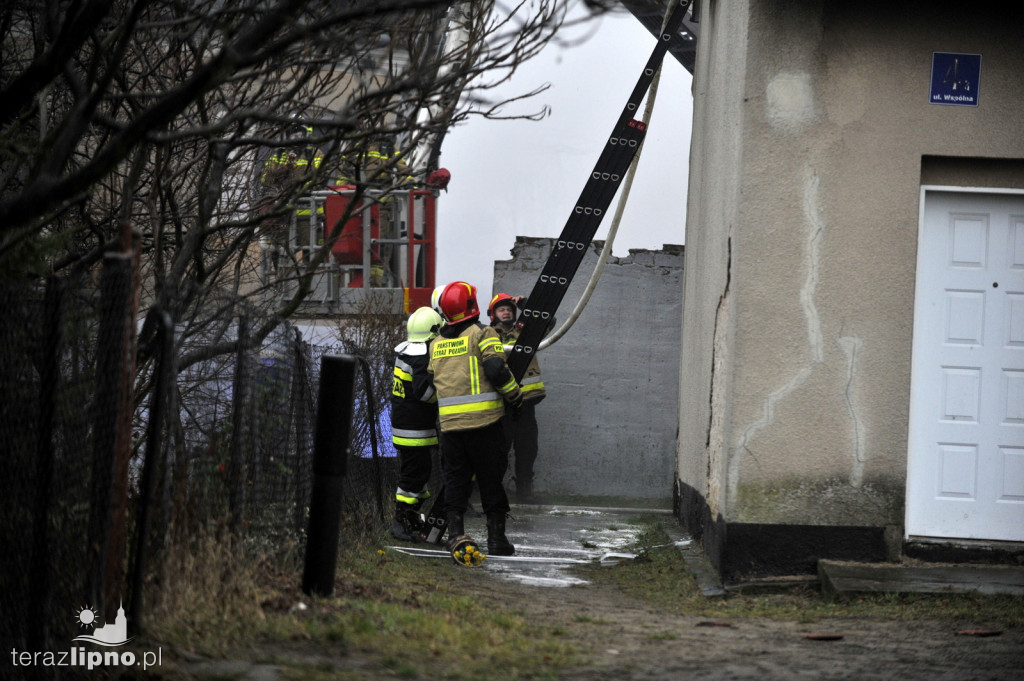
(608,424)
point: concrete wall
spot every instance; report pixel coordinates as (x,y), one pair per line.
(812,129)
(712,203)
(608,423)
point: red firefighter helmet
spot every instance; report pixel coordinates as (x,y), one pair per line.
(458,302)
(500,299)
(439,179)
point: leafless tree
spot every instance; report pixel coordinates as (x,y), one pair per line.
(165,116)
(162,113)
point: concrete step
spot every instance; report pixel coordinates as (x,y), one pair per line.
(840,578)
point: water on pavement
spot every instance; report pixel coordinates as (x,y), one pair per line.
(549,540)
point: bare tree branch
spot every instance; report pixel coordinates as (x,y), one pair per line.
(164,113)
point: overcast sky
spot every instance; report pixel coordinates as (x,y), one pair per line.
(514,178)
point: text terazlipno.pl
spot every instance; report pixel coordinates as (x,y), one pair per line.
(90,659)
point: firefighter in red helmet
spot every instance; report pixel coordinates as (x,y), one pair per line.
(520,425)
(473,384)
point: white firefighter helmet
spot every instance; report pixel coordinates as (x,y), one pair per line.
(423,325)
(435,299)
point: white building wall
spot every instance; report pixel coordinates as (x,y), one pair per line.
(813,130)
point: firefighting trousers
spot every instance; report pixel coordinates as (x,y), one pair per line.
(478,452)
(413,468)
(520,436)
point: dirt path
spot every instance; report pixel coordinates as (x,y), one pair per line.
(630,640)
(625,639)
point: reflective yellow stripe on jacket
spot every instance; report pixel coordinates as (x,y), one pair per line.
(411,497)
(474,375)
(490,343)
(466,398)
(467,404)
(403,371)
(531,383)
(414,438)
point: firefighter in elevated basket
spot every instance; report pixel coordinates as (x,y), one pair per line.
(413,422)
(287,177)
(473,383)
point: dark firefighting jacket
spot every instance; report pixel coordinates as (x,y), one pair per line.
(413,399)
(531,383)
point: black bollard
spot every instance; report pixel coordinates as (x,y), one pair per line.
(330,451)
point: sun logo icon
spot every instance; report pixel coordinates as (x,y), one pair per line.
(86,617)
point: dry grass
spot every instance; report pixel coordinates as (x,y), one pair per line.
(209,595)
(399,616)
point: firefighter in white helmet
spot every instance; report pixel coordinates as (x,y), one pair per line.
(413,422)
(473,384)
(435,298)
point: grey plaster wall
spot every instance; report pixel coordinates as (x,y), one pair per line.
(608,424)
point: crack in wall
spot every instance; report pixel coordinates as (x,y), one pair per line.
(812,262)
(812,259)
(722,303)
(714,441)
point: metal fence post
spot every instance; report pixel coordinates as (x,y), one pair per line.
(299,399)
(330,450)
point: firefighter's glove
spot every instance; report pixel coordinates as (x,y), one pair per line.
(515,407)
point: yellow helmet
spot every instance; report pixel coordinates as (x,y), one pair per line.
(423,325)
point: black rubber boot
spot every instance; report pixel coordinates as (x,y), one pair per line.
(407,526)
(463,548)
(497,543)
(456,525)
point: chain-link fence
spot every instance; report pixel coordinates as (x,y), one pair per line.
(125,434)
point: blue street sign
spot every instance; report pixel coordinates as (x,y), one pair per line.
(955,78)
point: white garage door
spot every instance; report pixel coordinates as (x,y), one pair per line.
(965,475)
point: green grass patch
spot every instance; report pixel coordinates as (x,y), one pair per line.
(659,575)
(409,613)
